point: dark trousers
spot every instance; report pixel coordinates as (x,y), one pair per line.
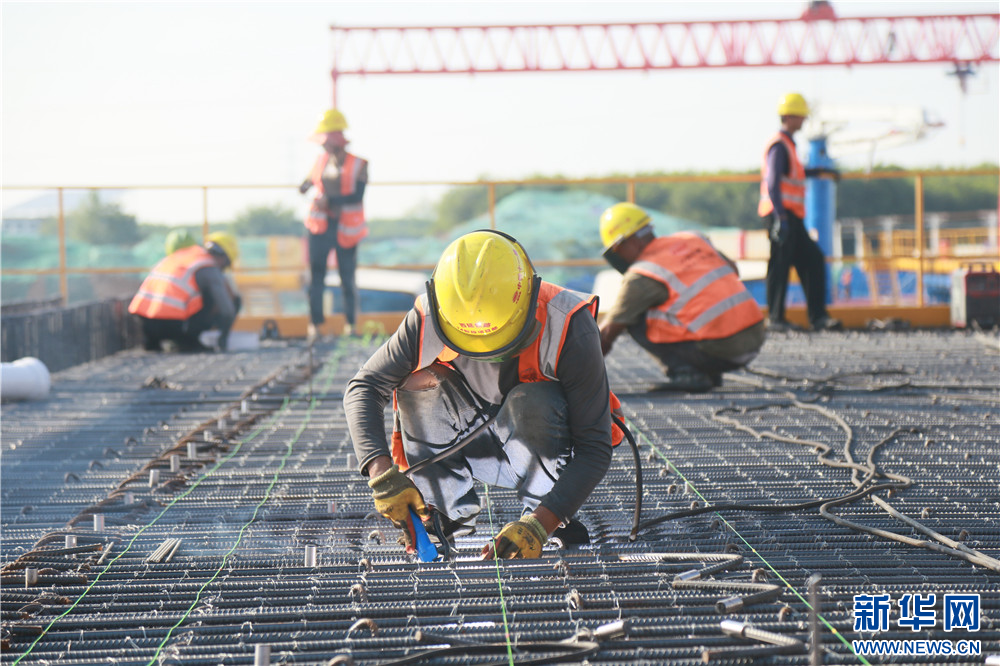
(675,357)
(525,448)
(183,332)
(801,251)
(320,246)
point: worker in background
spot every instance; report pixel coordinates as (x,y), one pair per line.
(681,300)
(336,219)
(186,294)
(489,339)
(178,239)
(782,210)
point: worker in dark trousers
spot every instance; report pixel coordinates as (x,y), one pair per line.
(336,220)
(187,294)
(681,300)
(782,210)
(490,346)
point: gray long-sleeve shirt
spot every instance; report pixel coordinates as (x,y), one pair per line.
(216,295)
(580,372)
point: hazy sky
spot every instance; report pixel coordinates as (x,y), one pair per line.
(137,93)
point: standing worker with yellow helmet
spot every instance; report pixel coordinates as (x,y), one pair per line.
(186,294)
(681,300)
(782,209)
(336,220)
(496,376)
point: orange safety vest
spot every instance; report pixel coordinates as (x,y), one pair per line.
(707,299)
(535,363)
(793,185)
(170,290)
(351,227)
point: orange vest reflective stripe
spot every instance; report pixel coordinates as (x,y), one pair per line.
(351,227)
(707,299)
(793,185)
(170,290)
(536,363)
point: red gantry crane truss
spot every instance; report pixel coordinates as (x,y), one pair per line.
(817,38)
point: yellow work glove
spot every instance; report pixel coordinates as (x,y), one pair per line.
(520,540)
(394,494)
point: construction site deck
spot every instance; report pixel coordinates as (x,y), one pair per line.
(208,509)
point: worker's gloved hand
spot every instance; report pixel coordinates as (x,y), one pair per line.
(520,540)
(394,494)
(779,229)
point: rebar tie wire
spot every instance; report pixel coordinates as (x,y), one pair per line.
(897,481)
(753,550)
(575,648)
(496,561)
(243,529)
(286,404)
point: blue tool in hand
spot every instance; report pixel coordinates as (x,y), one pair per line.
(425,549)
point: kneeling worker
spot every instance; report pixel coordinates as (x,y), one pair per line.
(680,299)
(186,294)
(494,357)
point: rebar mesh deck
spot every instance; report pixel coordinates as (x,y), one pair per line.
(274,472)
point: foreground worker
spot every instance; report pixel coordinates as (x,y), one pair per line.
(187,294)
(489,339)
(680,299)
(336,220)
(782,210)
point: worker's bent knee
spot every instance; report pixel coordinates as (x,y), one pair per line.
(537,407)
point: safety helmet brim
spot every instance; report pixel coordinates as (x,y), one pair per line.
(522,338)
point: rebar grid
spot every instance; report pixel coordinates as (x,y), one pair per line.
(239,517)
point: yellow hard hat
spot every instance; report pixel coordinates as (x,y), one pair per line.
(332,121)
(483,293)
(793,104)
(621,221)
(225,242)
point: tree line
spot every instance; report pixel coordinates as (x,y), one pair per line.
(725,204)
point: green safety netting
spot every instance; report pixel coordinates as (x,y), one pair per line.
(551,225)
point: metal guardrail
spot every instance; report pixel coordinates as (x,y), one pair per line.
(919,251)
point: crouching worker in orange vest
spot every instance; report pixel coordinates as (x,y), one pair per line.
(510,366)
(187,294)
(681,300)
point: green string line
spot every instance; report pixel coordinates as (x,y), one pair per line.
(286,404)
(243,529)
(128,547)
(788,585)
(267,495)
(496,561)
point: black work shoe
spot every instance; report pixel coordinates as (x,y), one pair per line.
(692,381)
(827,323)
(574,533)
